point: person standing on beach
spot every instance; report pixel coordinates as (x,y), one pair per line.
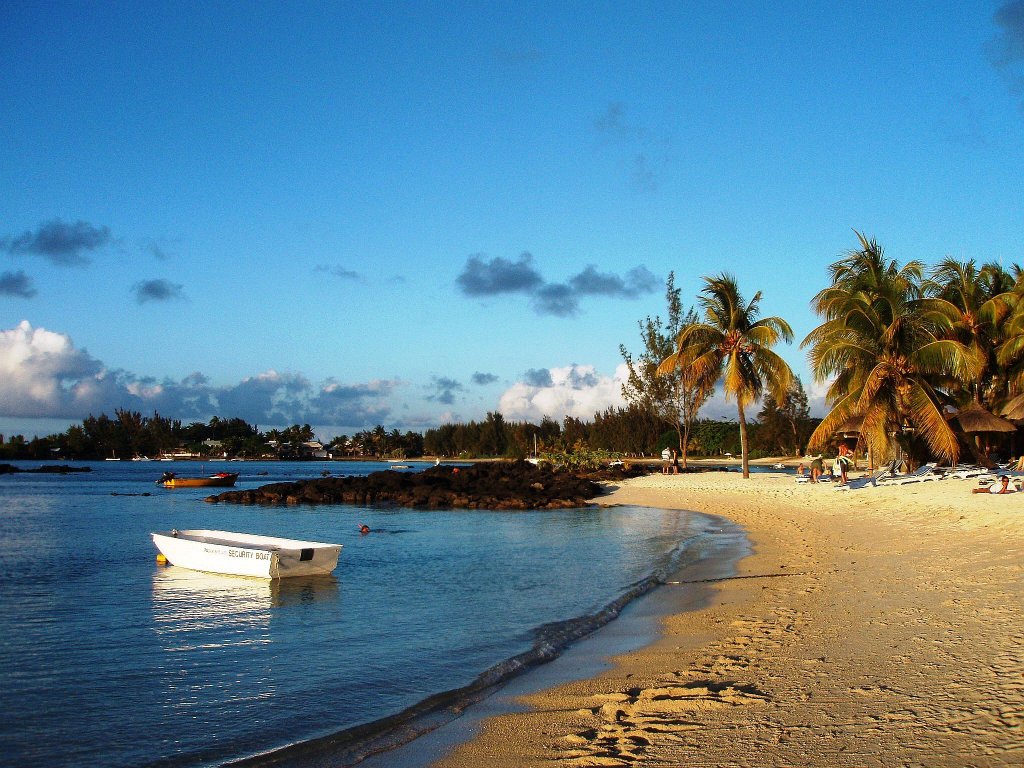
(844,460)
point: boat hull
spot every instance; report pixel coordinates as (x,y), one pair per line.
(246,554)
(223,480)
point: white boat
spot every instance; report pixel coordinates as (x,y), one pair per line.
(246,554)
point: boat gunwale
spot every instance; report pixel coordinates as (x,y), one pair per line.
(247,541)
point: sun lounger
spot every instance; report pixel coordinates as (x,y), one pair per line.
(965,472)
(821,478)
(869,481)
(923,473)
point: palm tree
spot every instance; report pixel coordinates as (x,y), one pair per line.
(1010,346)
(733,345)
(977,302)
(886,350)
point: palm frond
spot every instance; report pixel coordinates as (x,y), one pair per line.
(932,425)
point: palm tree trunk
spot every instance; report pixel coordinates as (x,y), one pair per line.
(743,441)
(682,442)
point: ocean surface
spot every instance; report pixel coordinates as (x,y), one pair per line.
(110,659)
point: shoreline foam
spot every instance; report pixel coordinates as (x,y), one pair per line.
(877,627)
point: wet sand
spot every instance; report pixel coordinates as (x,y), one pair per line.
(876,627)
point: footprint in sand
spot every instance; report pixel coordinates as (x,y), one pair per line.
(629,720)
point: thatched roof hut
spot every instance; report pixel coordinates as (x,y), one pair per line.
(1014,409)
(975,418)
(850,427)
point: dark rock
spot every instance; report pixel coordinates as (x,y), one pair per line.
(490,485)
(50,469)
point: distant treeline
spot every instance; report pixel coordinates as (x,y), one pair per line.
(630,431)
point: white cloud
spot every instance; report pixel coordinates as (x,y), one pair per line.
(816,400)
(575,390)
(43,374)
(579,391)
(720,408)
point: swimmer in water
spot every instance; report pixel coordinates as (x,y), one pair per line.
(364,528)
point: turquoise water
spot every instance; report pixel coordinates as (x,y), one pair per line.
(111,659)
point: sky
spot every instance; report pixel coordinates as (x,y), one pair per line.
(351,214)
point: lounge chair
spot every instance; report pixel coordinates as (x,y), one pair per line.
(824,477)
(964,472)
(921,474)
(869,481)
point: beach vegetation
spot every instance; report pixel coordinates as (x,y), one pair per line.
(675,396)
(895,350)
(580,457)
(622,430)
(732,346)
(710,437)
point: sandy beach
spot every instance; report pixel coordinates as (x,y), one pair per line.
(877,627)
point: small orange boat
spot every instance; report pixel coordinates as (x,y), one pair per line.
(218,480)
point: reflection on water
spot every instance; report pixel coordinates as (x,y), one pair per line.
(221,641)
(180,593)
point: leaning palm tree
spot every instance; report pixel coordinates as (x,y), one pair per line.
(733,345)
(886,350)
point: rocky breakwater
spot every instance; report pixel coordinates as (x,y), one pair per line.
(62,469)
(491,485)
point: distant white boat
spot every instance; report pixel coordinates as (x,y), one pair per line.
(246,554)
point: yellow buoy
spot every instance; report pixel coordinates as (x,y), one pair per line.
(160,558)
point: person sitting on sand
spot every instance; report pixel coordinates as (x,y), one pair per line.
(1002,485)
